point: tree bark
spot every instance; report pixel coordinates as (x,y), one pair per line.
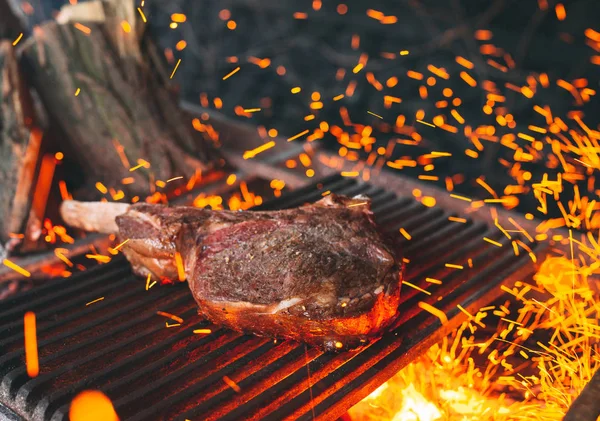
(20,142)
(122,112)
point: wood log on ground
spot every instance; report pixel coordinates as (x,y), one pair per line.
(20,141)
(112,110)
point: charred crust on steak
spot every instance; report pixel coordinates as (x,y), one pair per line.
(321,273)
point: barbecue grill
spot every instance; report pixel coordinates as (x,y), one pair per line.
(122,347)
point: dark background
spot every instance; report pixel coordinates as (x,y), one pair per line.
(434,32)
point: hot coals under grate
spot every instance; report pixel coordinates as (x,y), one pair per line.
(122,347)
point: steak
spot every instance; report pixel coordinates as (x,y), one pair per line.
(320,273)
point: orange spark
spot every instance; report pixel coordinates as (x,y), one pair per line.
(83,28)
(439,72)
(453,266)
(175,69)
(425,123)
(60,253)
(253,152)
(483,35)
(232,384)
(234,71)
(495,243)
(424,291)
(31,348)
(16,268)
(141,12)
(178,17)
(16,41)
(296,136)
(98,257)
(414,75)
(180,268)
(468,79)
(561,13)
(126,26)
(95,301)
(121,244)
(170,316)
(92,405)
(101,188)
(436,312)
(456,196)
(202,331)
(465,63)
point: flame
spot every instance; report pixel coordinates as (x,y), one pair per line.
(546,346)
(92,405)
(523,376)
(415,407)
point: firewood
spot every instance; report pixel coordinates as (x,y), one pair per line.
(20,141)
(117,119)
(118,16)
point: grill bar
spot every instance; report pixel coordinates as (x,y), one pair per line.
(120,345)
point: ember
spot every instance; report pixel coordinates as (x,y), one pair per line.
(92,405)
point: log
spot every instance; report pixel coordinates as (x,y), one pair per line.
(20,142)
(122,112)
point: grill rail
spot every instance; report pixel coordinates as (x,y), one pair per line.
(120,346)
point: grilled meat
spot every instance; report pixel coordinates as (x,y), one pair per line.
(320,273)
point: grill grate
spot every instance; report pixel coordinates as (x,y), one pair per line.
(120,346)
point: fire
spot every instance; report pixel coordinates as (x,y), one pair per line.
(545,348)
(415,407)
(513,374)
(92,405)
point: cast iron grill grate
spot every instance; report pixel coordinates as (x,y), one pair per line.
(120,346)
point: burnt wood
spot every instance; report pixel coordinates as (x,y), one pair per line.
(20,143)
(122,113)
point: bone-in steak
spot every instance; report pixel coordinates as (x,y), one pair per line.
(320,273)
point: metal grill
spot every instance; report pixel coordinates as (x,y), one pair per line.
(120,346)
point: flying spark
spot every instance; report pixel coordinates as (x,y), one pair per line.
(233,72)
(31,347)
(252,153)
(141,12)
(170,316)
(298,135)
(16,41)
(180,269)
(175,69)
(95,301)
(16,268)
